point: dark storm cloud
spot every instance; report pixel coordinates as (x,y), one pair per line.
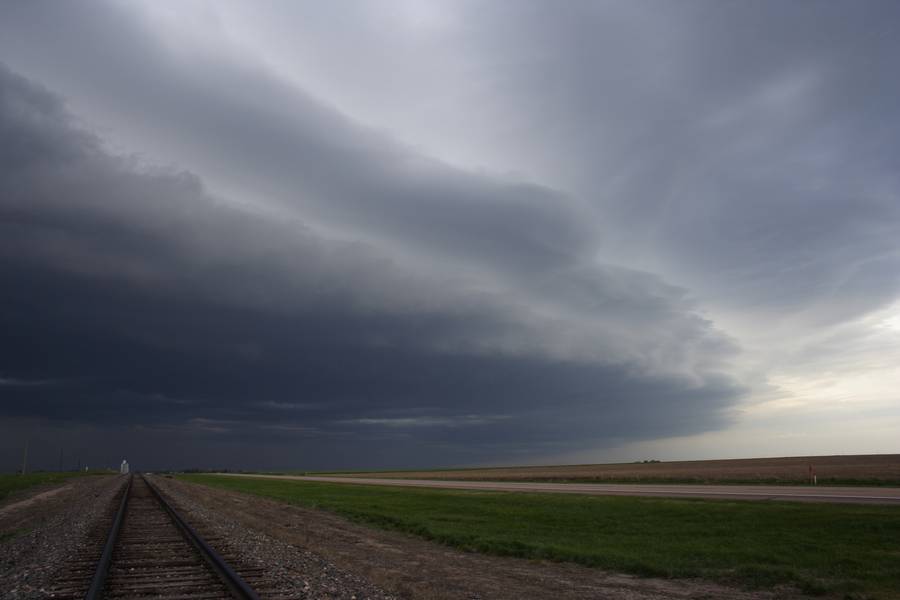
(170,314)
(297,283)
(275,142)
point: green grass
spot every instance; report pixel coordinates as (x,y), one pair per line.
(11,483)
(6,536)
(851,550)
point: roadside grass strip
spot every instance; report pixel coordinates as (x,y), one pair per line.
(11,483)
(846,550)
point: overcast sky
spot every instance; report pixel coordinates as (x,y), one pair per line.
(410,233)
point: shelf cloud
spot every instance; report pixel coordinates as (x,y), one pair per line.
(214,254)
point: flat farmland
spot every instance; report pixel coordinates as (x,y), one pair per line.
(847,551)
(872,469)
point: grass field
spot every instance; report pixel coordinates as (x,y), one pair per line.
(11,483)
(850,550)
(873,469)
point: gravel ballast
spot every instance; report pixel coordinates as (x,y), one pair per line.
(45,530)
(296,572)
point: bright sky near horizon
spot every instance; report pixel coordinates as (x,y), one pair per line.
(424,233)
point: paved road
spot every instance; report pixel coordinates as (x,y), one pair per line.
(854,495)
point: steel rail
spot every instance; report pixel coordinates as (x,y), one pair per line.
(235,583)
(98,581)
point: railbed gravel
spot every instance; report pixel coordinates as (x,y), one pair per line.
(49,535)
(297,572)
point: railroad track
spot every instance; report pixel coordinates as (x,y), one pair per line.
(150,551)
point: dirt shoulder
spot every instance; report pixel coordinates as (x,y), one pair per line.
(413,568)
(36,498)
(42,530)
(33,506)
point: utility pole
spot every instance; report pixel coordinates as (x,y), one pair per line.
(25,459)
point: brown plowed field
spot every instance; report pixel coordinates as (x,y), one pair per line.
(872,468)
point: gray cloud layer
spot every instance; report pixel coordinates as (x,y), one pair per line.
(299,282)
(748,149)
(176,312)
